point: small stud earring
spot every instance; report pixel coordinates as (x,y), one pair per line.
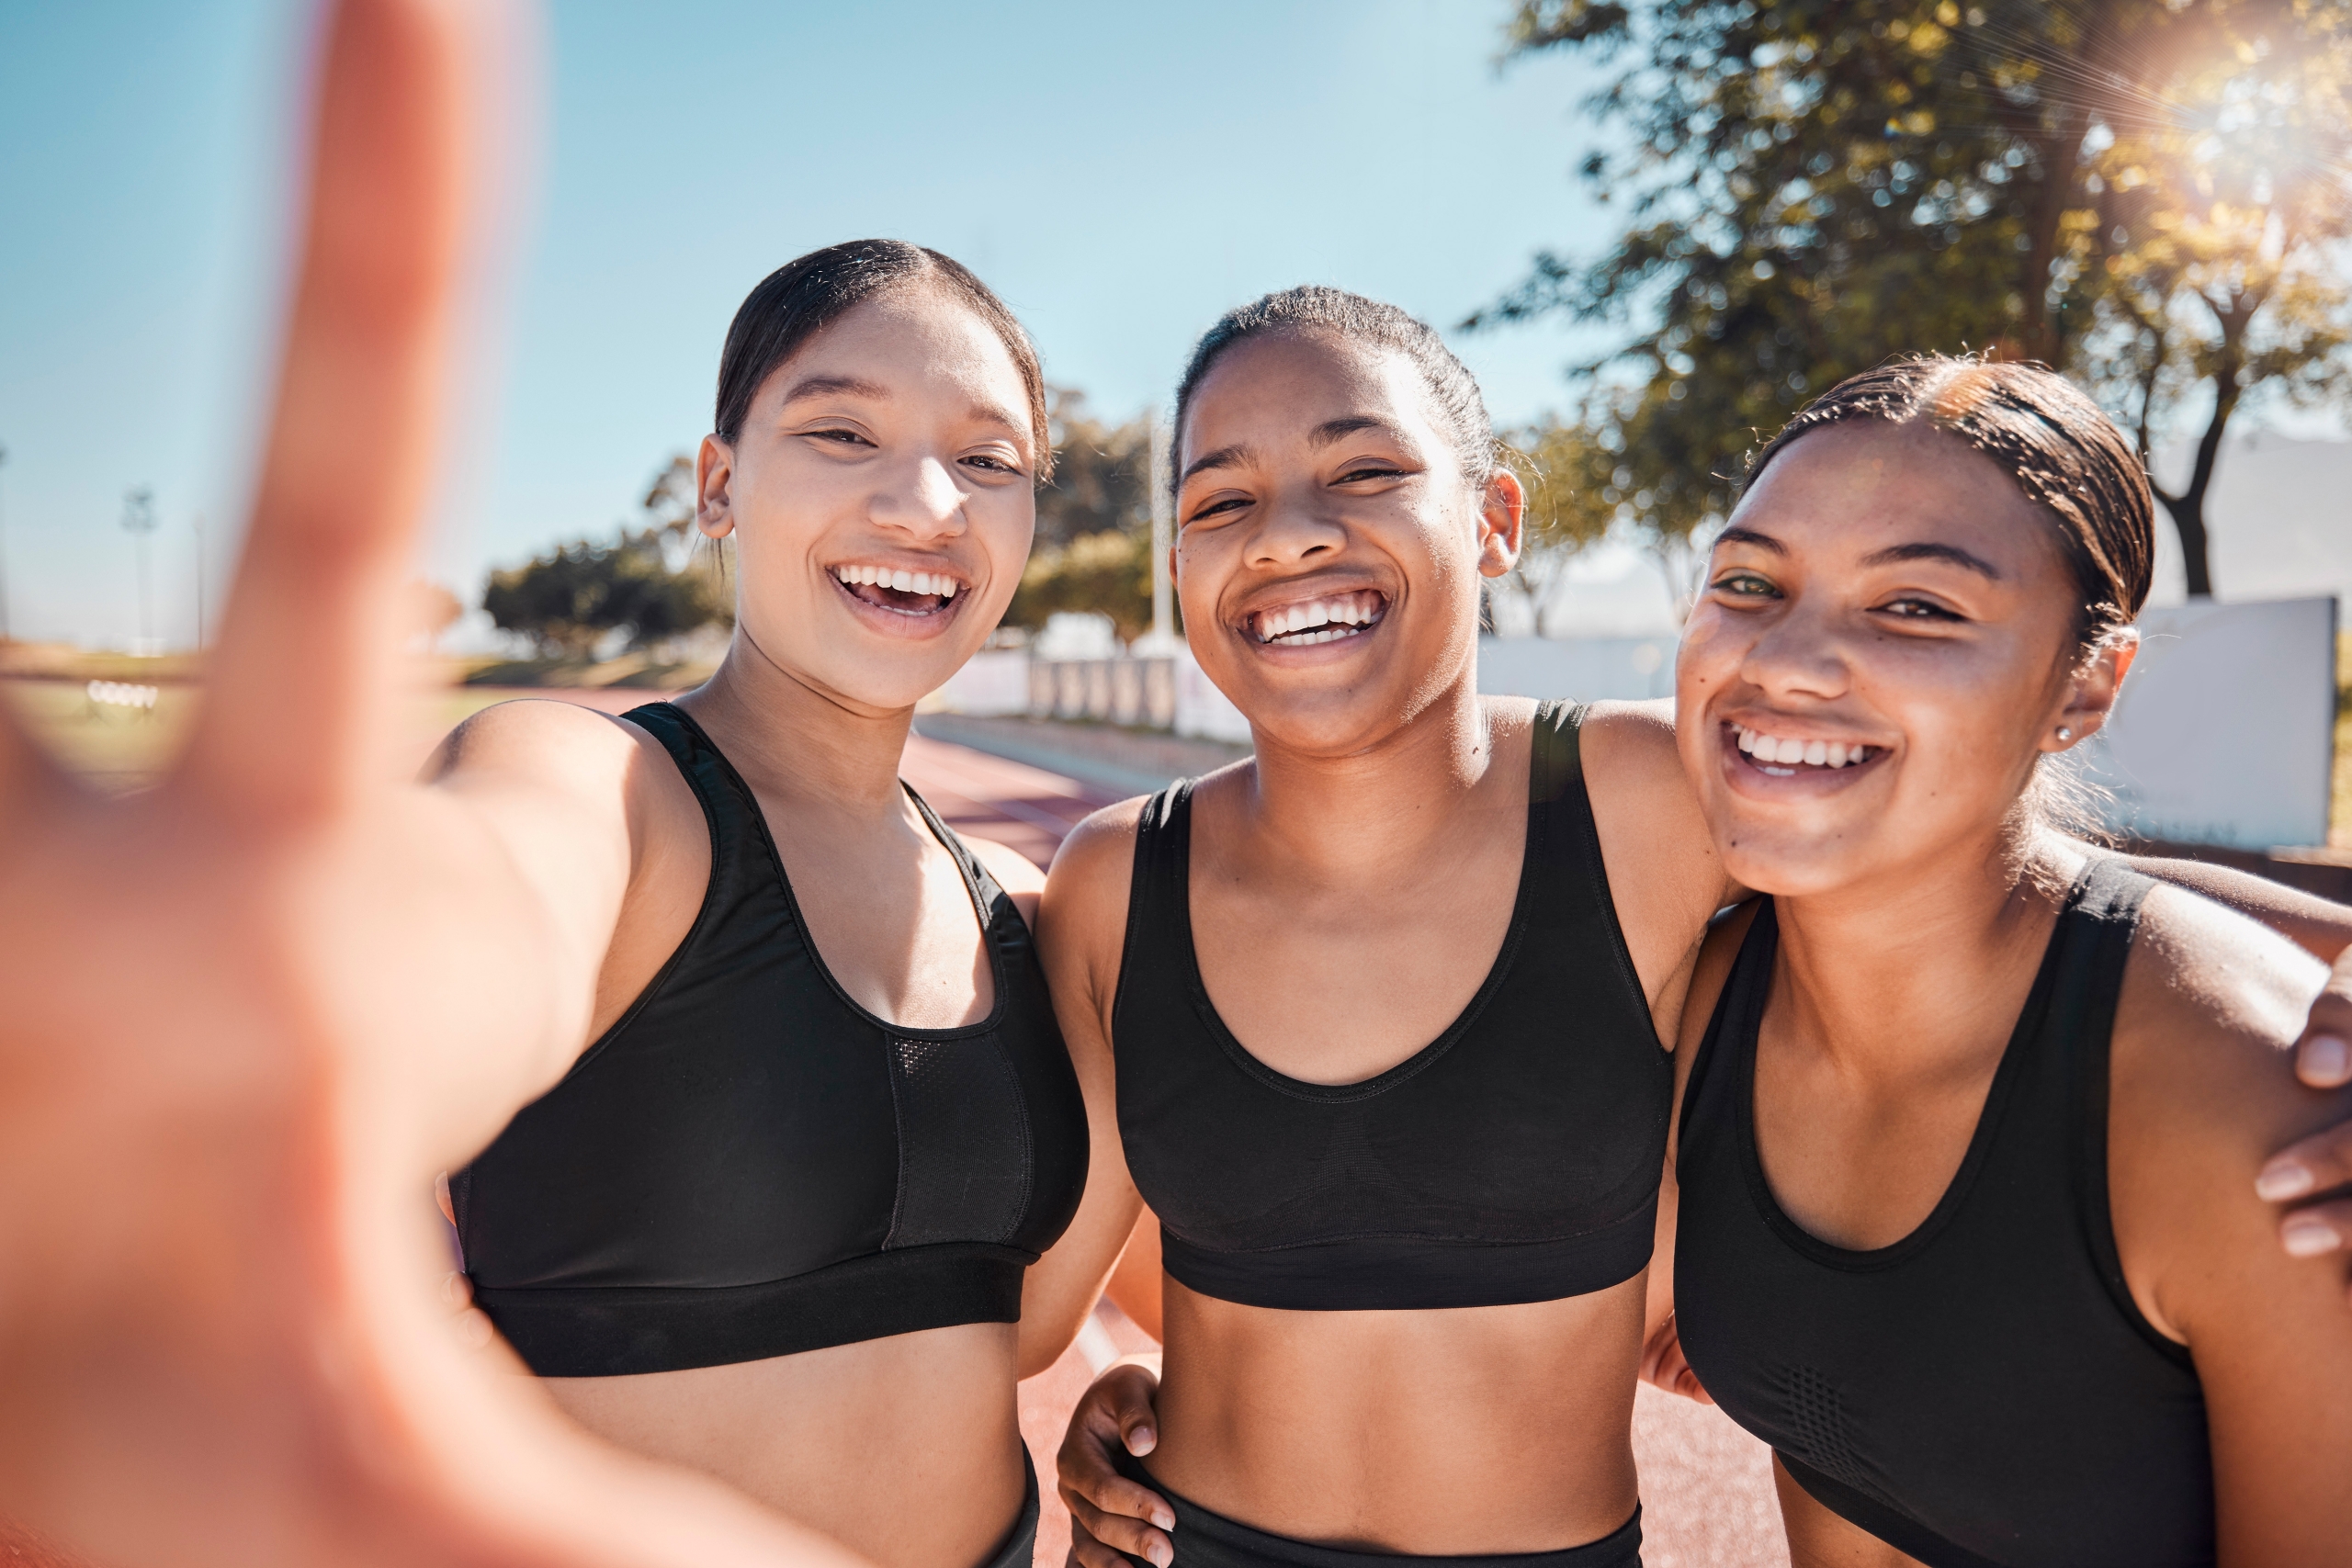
(2064,733)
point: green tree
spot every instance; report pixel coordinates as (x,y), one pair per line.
(570,600)
(1102,480)
(669,504)
(1813,186)
(2225,224)
(1107,572)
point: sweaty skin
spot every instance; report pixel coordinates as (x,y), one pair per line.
(892,440)
(1350,886)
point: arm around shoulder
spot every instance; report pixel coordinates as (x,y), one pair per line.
(2203,1088)
(1081,926)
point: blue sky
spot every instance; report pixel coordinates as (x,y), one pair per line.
(1120,173)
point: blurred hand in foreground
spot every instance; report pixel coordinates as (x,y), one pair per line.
(244,1017)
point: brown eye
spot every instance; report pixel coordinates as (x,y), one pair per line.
(1912,609)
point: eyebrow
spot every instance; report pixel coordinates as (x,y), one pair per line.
(1951,554)
(1328,433)
(1750,536)
(1231,457)
(1336,430)
(825,386)
(996,414)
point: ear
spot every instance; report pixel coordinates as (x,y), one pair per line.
(2091,691)
(714,470)
(1502,518)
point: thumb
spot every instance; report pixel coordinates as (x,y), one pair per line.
(1139,1423)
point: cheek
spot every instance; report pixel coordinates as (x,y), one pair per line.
(1712,649)
(1006,524)
(1969,714)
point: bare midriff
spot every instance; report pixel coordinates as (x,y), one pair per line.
(905,1449)
(1465,1432)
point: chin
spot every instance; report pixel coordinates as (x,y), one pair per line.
(1789,865)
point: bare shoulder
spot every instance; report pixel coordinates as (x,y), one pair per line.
(1090,872)
(1082,919)
(1709,974)
(555,765)
(1638,736)
(2204,1090)
(2212,998)
(1634,773)
(538,739)
(1664,875)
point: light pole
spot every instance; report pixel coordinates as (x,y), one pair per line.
(198,526)
(6,635)
(1163,534)
(138,522)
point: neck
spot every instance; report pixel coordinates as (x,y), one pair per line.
(1389,802)
(1918,966)
(793,738)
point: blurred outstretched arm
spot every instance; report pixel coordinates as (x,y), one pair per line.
(245,1016)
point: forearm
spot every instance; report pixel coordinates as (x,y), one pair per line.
(1136,1283)
(2318,926)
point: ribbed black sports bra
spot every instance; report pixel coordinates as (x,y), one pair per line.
(1515,1158)
(749,1163)
(1984,1393)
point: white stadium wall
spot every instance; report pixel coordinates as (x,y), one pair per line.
(2225,733)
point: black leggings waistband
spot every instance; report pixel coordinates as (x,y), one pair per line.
(1020,1543)
(1205,1538)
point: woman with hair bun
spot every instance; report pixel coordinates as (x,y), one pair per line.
(782,1219)
(1970,1112)
(1385,1005)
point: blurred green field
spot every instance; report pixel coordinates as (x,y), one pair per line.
(120,749)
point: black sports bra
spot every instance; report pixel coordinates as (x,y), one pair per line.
(1984,1393)
(1515,1158)
(749,1163)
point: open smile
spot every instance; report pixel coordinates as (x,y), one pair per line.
(1786,753)
(1330,617)
(900,591)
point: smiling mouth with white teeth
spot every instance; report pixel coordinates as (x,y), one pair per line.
(1331,618)
(896,589)
(1782,756)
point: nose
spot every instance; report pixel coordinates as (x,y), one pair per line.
(1798,653)
(1292,530)
(922,499)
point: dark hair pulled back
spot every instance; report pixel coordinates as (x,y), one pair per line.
(2053,441)
(808,294)
(1315,308)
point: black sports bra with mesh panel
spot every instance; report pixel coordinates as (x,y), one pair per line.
(1515,1158)
(1984,1393)
(749,1163)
